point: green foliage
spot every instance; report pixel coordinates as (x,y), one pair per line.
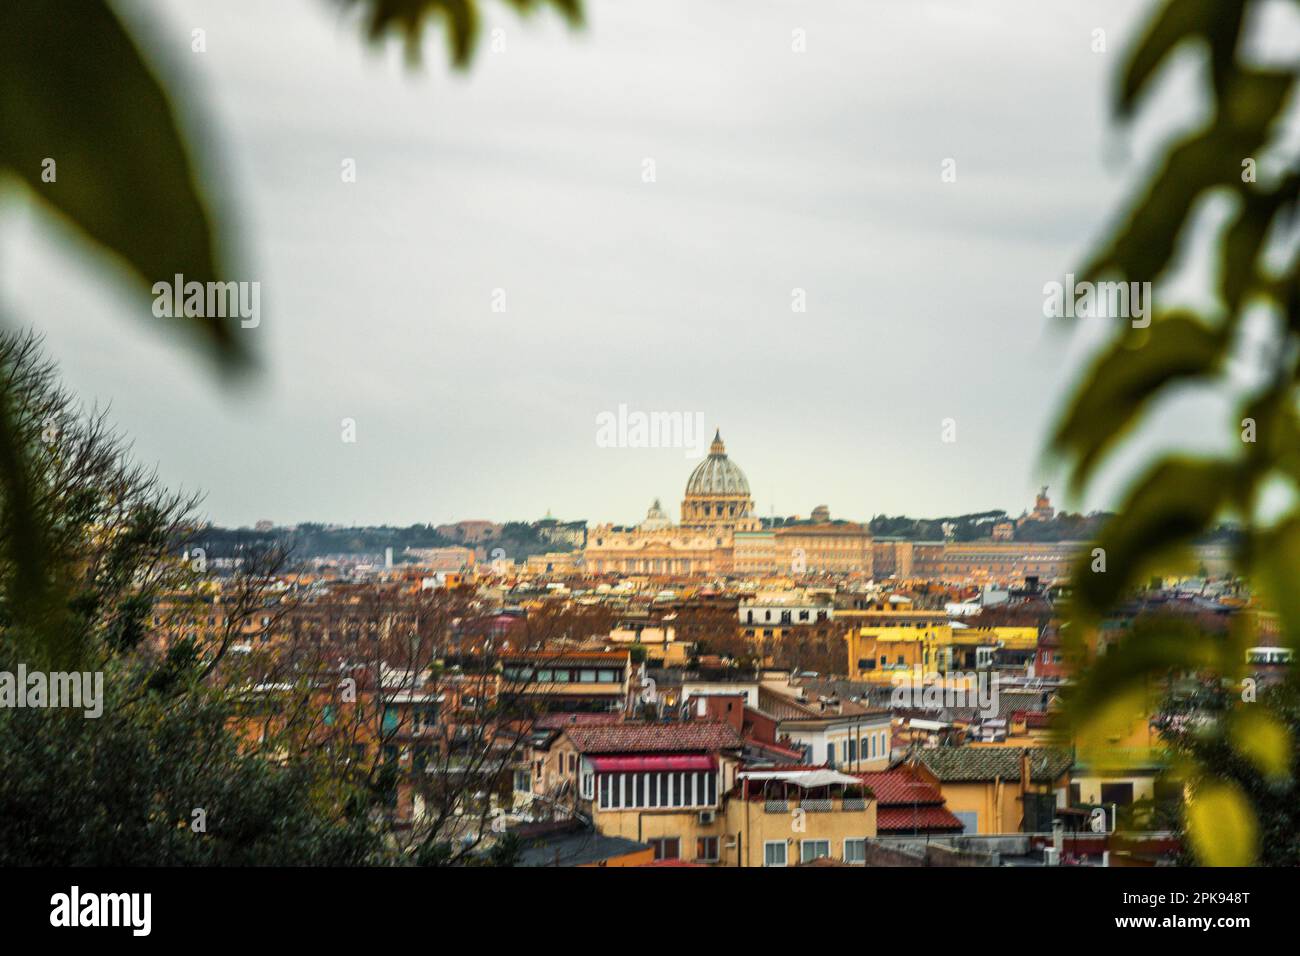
(1212,750)
(123,790)
(74,88)
(1239,154)
(462,18)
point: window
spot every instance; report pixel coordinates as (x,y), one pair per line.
(853,750)
(1121,793)
(855,851)
(609,677)
(587,677)
(666,848)
(523,779)
(774,853)
(810,850)
(588,785)
(706,849)
(633,791)
(830,754)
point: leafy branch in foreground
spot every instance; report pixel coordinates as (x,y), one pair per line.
(92,135)
(150,772)
(1239,157)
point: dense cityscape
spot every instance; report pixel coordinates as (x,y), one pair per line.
(447,440)
(719,690)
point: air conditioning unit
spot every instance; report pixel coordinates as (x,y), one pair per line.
(708,816)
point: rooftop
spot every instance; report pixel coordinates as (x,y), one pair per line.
(645,737)
(977,764)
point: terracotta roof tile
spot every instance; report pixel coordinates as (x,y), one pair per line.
(973,764)
(899,787)
(909,819)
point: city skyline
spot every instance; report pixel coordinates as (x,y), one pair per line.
(779,176)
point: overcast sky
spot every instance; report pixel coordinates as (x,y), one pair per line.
(774,170)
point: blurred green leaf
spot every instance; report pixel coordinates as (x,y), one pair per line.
(1142,247)
(1114,684)
(1244,238)
(1264,740)
(406,18)
(1215,22)
(1178,498)
(81,95)
(1276,558)
(1221,825)
(1171,504)
(1125,378)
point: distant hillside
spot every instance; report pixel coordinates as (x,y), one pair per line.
(518,539)
(1065,526)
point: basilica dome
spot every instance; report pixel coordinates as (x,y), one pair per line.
(717,474)
(717,496)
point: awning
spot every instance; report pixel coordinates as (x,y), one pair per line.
(802,778)
(648,764)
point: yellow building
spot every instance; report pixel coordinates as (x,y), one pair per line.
(881,641)
(660,643)
(990,789)
(679,788)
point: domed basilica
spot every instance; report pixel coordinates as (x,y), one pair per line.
(720,534)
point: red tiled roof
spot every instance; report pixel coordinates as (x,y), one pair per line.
(907,819)
(641,737)
(898,787)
